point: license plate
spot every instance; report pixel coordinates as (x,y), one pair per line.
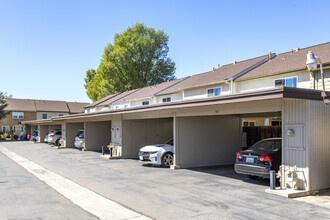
(250,160)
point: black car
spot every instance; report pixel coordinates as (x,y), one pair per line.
(263,156)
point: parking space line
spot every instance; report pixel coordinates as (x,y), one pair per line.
(88,200)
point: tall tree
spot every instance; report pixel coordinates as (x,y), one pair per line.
(3,105)
(137,58)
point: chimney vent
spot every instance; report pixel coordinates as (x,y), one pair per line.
(270,55)
(213,69)
(234,62)
(218,66)
(297,49)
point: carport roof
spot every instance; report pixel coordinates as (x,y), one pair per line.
(285,92)
(289,61)
(218,75)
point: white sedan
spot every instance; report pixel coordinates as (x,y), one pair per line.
(158,154)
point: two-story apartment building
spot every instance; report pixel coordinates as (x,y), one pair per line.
(204,114)
(21,110)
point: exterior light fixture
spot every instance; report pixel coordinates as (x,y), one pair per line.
(311,64)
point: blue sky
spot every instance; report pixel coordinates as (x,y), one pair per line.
(47,46)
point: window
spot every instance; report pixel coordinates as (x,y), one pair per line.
(287,82)
(167,99)
(5,129)
(249,123)
(214,92)
(18,115)
(60,114)
(88,110)
(276,123)
(44,116)
(145,103)
(125,106)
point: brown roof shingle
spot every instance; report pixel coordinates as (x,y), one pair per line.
(212,77)
(20,105)
(76,107)
(44,105)
(149,91)
(289,61)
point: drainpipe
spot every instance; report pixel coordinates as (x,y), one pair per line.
(230,82)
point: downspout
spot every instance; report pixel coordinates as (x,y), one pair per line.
(230,82)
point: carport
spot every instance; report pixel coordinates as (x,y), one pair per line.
(71,132)
(209,131)
(141,132)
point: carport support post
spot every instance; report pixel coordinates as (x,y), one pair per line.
(175,143)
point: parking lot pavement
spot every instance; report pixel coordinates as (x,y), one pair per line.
(25,197)
(201,193)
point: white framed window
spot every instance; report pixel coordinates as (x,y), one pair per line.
(249,123)
(125,106)
(60,114)
(145,103)
(5,129)
(214,92)
(287,82)
(44,115)
(167,99)
(18,115)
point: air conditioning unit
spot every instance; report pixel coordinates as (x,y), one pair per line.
(279,83)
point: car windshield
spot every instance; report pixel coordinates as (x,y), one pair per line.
(80,133)
(170,142)
(267,145)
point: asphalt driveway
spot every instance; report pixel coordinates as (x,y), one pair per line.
(201,193)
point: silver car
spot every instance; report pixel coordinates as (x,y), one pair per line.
(46,138)
(54,137)
(80,139)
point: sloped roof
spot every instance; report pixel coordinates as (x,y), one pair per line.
(20,105)
(98,102)
(289,61)
(116,97)
(216,76)
(44,105)
(149,91)
(76,107)
(51,106)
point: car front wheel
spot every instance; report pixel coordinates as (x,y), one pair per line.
(167,160)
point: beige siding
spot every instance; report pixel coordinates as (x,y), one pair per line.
(295,150)
(316,82)
(174,97)
(319,145)
(50,114)
(139,133)
(207,140)
(269,82)
(201,92)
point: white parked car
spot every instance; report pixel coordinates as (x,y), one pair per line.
(158,154)
(54,137)
(79,141)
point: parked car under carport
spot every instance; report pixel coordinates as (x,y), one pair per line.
(259,159)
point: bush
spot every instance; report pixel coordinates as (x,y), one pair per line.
(4,136)
(15,137)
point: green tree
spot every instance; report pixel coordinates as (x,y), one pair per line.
(137,58)
(3,105)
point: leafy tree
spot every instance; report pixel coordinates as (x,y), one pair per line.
(3,105)
(137,58)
